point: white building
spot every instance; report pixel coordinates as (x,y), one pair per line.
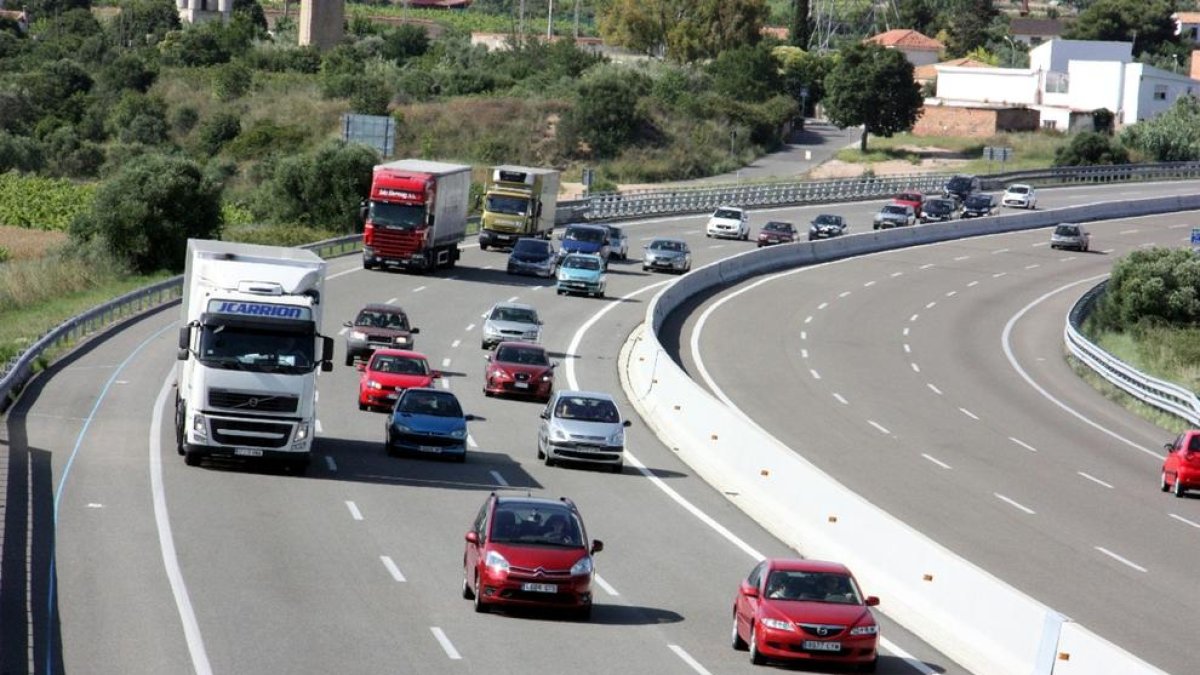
(198,11)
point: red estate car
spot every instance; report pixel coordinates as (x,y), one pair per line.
(389,372)
(529,551)
(912,198)
(1181,468)
(519,368)
(791,610)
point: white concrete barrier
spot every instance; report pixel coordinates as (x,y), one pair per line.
(980,621)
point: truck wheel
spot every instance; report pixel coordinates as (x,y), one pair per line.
(179,420)
(483,246)
(191,458)
(349,360)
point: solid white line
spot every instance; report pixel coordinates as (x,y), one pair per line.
(354,512)
(1179,226)
(936,461)
(330,463)
(1067,259)
(418,289)
(907,348)
(972,284)
(488,267)
(455,344)
(1124,561)
(1033,266)
(605,585)
(823,305)
(935,389)
(166,540)
(445,362)
(537,288)
(687,658)
(897,274)
(1002,498)
(1000,250)
(915,367)
(931,305)
(925,266)
(910,660)
(968,413)
(1094,479)
(470,327)
(1023,444)
(1006,341)
(471,441)
(1185,520)
(808,319)
(1040,243)
(391,568)
(513,298)
(844,294)
(815,374)
(499,479)
(914,317)
(869,284)
(444,641)
(882,429)
(804,353)
(841,399)
(1108,250)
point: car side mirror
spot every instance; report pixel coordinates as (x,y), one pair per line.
(560,236)
(360,366)
(435,374)
(871,601)
(472,537)
(627,423)
(470,418)
(1169,446)
(327,366)
(544,415)
(553,364)
(348,324)
(597,546)
(414,330)
(749,591)
(487,357)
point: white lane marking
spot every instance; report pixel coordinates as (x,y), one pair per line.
(444,641)
(354,512)
(804,353)
(537,288)
(1094,479)
(1179,226)
(1123,561)
(1000,250)
(1108,250)
(951,294)
(1023,444)
(968,413)
(925,266)
(823,305)
(455,344)
(451,278)
(513,298)
(392,301)
(882,429)
(445,382)
(962,258)
(470,327)
(418,289)
(391,568)
(166,539)
(1006,340)
(915,367)
(471,441)
(1133,231)
(841,399)
(687,658)
(330,463)
(869,284)
(605,585)
(931,305)
(905,331)
(1185,520)
(1067,259)
(1033,266)
(907,348)
(445,362)
(317,426)
(972,284)
(488,267)
(914,317)
(844,294)
(808,319)
(896,274)
(1022,507)
(997,275)
(498,478)
(935,460)
(815,374)
(483,316)
(1040,243)
(933,388)
(803,335)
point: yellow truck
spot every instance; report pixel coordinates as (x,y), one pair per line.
(518,201)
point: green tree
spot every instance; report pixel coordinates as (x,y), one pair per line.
(1088,147)
(968,29)
(216,131)
(21,153)
(322,188)
(749,74)
(683,30)
(873,87)
(404,42)
(149,209)
(606,113)
(142,22)
(801,25)
(922,16)
(138,118)
(232,80)
(127,70)
(1146,23)
(1157,285)
(1173,136)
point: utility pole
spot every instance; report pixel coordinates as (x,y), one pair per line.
(521,22)
(576,19)
(550,21)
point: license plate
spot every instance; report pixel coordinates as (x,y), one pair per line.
(818,646)
(390,397)
(430,448)
(540,588)
(521,385)
(248,452)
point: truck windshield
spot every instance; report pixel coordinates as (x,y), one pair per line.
(406,216)
(512,205)
(240,348)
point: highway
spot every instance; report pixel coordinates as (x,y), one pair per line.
(933,381)
(159,567)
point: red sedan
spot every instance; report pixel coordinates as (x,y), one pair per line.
(389,372)
(791,610)
(531,552)
(1181,468)
(519,368)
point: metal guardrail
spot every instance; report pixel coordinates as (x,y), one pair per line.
(1166,396)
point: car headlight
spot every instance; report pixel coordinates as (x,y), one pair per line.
(301,432)
(400,428)
(618,438)
(547,377)
(500,372)
(777,624)
(559,435)
(372,384)
(865,630)
(583,566)
(357,335)
(199,426)
(402,340)
(488,328)
(496,563)
(458,433)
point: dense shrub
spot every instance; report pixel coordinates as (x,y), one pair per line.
(127,71)
(1173,136)
(606,113)
(1154,286)
(305,59)
(138,118)
(371,96)
(19,152)
(69,155)
(1089,147)
(232,80)
(277,235)
(746,74)
(320,189)
(267,137)
(183,118)
(216,131)
(404,42)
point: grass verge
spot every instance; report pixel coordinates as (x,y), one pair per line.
(1110,391)
(1033,150)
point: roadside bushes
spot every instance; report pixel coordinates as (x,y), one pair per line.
(321,188)
(1090,147)
(1151,287)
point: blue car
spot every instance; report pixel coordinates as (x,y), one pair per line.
(582,273)
(584,239)
(428,422)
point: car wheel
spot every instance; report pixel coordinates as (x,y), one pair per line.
(483,344)
(736,640)
(542,455)
(388,448)
(480,606)
(1162,482)
(707,235)
(549,460)
(618,468)
(349,360)
(488,392)
(483,246)
(755,657)
(645,269)
(600,294)
(1178,490)
(558,290)
(362,406)
(467,593)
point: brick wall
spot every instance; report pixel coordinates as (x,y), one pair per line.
(945,120)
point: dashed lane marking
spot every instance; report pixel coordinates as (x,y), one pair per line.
(933,388)
(498,478)
(354,512)
(815,374)
(882,429)
(600,581)
(444,641)
(391,568)
(1023,444)
(935,460)
(1094,479)
(687,658)
(1014,503)
(841,399)
(1185,520)
(1123,561)
(968,413)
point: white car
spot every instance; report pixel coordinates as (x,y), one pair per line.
(728,221)
(1019,195)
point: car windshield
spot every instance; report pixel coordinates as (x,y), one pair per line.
(435,403)
(824,219)
(777,227)
(517,206)
(728,213)
(401,365)
(976,201)
(586,409)
(938,205)
(536,523)
(579,262)
(532,246)
(959,183)
(895,209)
(586,234)
(666,245)
(522,355)
(514,314)
(812,587)
(1018,189)
(1067,230)
(615,233)
(381,319)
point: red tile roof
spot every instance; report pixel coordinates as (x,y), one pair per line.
(906,38)
(929,72)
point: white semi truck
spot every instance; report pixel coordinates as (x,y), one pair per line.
(249,350)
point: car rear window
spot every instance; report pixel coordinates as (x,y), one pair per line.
(1067,230)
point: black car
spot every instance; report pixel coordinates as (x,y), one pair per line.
(533,256)
(961,186)
(978,205)
(938,209)
(825,226)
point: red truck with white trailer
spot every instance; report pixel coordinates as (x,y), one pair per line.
(417,214)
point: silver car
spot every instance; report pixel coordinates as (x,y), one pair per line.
(1071,235)
(582,426)
(895,215)
(672,255)
(618,243)
(511,321)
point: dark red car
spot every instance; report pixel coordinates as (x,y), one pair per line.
(1181,468)
(519,368)
(913,198)
(389,372)
(531,552)
(776,232)
(793,610)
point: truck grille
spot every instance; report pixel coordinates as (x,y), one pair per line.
(252,401)
(250,433)
(388,242)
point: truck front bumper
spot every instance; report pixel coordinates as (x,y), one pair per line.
(195,452)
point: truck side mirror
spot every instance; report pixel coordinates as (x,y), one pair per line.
(327,366)
(326,354)
(185,337)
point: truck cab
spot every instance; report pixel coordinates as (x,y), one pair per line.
(517,202)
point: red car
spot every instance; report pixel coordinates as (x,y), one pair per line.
(793,610)
(531,552)
(519,368)
(389,372)
(912,198)
(1181,468)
